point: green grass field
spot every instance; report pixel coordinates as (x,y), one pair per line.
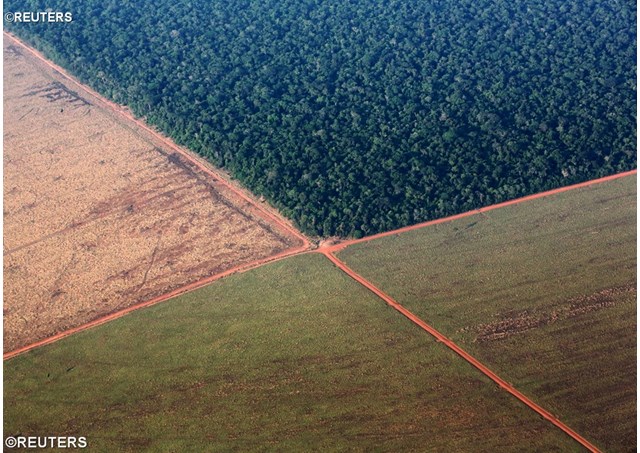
(544,292)
(293,356)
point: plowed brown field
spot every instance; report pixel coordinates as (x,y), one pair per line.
(99,215)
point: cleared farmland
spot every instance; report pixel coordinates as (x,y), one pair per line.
(291,355)
(98,215)
(543,292)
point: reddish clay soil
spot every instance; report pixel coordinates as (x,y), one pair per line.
(101,214)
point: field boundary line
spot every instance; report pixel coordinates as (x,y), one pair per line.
(148,303)
(197,161)
(459,351)
(327,251)
(261,212)
(268,215)
(341,245)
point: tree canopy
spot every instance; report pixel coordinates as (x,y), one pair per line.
(358,116)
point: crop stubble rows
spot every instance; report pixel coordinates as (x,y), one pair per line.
(98,216)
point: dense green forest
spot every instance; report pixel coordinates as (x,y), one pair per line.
(357,116)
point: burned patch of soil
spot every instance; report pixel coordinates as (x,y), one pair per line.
(56,91)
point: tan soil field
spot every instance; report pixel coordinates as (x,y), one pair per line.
(98,215)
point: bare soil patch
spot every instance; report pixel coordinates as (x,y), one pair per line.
(518,322)
(98,215)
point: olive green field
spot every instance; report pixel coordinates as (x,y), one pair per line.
(296,356)
(543,292)
(292,356)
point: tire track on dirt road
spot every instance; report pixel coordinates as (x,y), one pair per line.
(459,351)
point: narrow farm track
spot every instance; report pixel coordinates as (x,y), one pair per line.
(119,110)
(458,350)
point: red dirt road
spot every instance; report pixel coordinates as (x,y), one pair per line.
(344,244)
(148,303)
(458,350)
(327,251)
(266,214)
